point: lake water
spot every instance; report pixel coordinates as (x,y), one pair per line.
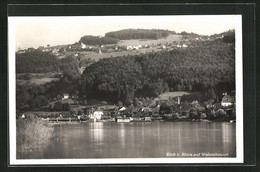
(138,140)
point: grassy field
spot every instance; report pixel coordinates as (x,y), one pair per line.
(169,39)
(95,56)
(166,96)
(36,78)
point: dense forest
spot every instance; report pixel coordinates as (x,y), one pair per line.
(209,64)
(139,34)
(44,62)
(36,62)
(95,40)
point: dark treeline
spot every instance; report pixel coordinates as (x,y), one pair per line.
(207,65)
(95,40)
(36,62)
(69,67)
(139,34)
(44,62)
(229,37)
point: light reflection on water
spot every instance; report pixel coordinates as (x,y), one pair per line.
(96,132)
(137,140)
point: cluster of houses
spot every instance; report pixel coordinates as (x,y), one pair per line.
(127,114)
(60,50)
(113,111)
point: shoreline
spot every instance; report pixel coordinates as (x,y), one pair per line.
(105,121)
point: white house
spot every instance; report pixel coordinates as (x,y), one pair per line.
(83,46)
(55,50)
(227,101)
(65,96)
(129,47)
(122,109)
(184,45)
(98,114)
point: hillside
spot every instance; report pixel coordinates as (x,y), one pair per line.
(197,68)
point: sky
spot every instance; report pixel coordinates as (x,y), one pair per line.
(40,31)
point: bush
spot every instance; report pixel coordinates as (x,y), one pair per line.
(203,116)
(31,132)
(193,114)
(220,113)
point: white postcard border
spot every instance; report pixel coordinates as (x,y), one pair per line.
(12,21)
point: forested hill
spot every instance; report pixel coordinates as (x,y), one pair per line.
(198,68)
(36,62)
(139,34)
(44,62)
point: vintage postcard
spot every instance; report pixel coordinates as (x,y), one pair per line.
(125,89)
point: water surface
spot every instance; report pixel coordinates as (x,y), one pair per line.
(138,140)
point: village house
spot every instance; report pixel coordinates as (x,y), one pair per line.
(65,96)
(219,37)
(129,47)
(83,46)
(98,114)
(31,50)
(227,101)
(122,109)
(137,47)
(55,51)
(184,46)
(21,51)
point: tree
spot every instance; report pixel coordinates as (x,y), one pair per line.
(120,104)
(193,114)
(57,106)
(22,97)
(59,97)
(66,107)
(138,103)
(212,93)
(40,101)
